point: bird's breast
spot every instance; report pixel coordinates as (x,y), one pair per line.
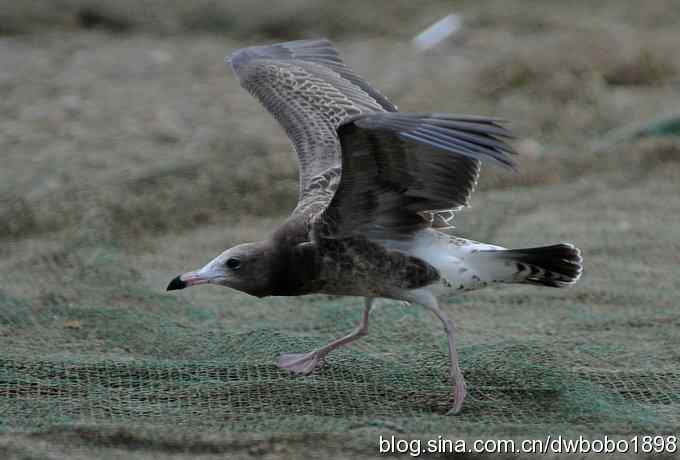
(358,266)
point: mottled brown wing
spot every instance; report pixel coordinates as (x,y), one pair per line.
(311,92)
(402,172)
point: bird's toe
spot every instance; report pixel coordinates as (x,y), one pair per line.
(299,363)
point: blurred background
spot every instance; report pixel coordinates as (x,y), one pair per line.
(130,154)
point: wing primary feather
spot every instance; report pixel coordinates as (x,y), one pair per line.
(475,139)
(457,142)
(457,147)
(484,128)
(487,141)
(446,141)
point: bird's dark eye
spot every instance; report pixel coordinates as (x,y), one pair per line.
(233,263)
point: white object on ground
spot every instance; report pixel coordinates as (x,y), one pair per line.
(438,32)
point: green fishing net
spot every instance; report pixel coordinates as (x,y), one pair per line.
(88,340)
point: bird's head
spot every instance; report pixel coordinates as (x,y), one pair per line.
(245,267)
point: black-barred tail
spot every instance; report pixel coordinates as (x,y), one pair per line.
(558,265)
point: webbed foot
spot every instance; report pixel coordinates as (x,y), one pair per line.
(300,363)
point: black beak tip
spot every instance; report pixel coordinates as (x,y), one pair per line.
(175,284)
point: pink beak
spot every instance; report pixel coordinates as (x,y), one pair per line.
(186,280)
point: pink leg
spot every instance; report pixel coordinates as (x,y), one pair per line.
(305,363)
(459,387)
(426,298)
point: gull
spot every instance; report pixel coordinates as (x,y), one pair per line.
(377,192)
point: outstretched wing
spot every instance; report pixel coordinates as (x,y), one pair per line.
(402,172)
(311,92)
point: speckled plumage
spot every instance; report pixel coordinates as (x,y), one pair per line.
(376,187)
(390,162)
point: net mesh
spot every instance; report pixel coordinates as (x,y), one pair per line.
(87,340)
(128,158)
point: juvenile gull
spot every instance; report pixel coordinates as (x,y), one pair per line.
(376,189)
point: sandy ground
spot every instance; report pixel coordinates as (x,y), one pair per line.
(131,154)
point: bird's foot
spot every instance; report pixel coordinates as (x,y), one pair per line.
(300,363)
(459,392)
